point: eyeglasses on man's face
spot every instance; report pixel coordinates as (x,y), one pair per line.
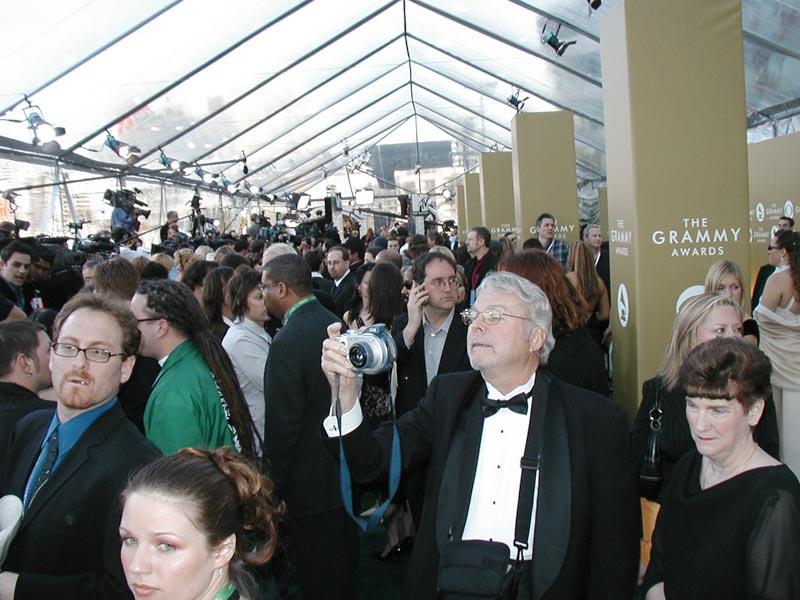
(490,316)
(98,355)
(440,283)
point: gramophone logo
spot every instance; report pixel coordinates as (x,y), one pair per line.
(788,209)
(760,212)
(622,305)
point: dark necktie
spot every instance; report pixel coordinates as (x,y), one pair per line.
(50,454)
(518,403)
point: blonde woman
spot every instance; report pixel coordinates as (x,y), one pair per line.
(725,277)
(699,319)
(182,259)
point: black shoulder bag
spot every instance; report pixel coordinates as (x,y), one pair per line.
(650,473)
(472,569)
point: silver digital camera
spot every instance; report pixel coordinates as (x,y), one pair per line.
(371,350)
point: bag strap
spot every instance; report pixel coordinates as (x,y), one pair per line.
(656,412)
(530,463)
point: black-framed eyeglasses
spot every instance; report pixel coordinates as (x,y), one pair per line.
(98,355)
(148,319)
(490,316)
(773,248)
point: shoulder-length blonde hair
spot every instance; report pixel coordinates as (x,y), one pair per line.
(718,271)
(684,338)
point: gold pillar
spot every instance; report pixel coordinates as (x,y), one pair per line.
(674,101)
(543,169)
(472,195)
(602,202)
(497,194)
(461,211)
(774,192)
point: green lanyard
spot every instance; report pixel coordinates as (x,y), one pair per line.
(292,310)
(225,592)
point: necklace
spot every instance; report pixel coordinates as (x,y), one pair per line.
(704,479)
(225,592)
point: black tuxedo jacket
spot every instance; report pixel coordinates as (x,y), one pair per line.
(412,380)
(298,397)
(758,287)
(343,293)
(68,543)
(604,269)
(488,267)
(16,402)
(586,541)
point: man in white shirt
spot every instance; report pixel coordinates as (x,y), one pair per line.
(583,540)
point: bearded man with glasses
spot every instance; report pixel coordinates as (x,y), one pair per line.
(68,465)
(472,429)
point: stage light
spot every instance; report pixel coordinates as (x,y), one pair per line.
(252,188)
(514,100)
(125,151)
(229,185)
(243,160)
(447,194)
(11,196)
(551,39)
(170,163)
(206,176)
(595,4)
(303,201)
(43,132)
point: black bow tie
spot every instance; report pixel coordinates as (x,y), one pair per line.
(519,404)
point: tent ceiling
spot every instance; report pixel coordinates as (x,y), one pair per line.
(285,82)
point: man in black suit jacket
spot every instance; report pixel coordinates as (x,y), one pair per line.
(323,541)
(481,262)
(344,280)
(584,542)
(24,371)
(68,542)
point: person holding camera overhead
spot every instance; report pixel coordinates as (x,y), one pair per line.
(322,539)
(522,468)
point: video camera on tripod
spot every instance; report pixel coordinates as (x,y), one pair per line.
(127,201)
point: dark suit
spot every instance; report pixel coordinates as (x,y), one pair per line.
(603,267)
(412,384)
(16,402)
(758,287)
(320,283)
(323,540)
(343,293)
(68,543)
(488,266)
(586,541)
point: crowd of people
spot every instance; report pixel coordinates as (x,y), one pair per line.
(169,421)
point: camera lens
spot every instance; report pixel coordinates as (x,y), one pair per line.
(358,356)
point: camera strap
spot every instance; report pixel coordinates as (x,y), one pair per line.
(366,524)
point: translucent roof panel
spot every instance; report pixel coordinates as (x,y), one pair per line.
(43,43)
(161,53)
(287,101)
(335,123)
(776,77)
(494,56)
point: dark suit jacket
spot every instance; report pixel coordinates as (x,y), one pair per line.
(488,267)
(68,543)
(16,402)
(604,269)
(343,293)
(298,397)
(320,283)
(586,541)
(758,287)
(412,381)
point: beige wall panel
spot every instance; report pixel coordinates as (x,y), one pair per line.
(472,194)
(497,194)
(774,168)
(544,172)
(677,168)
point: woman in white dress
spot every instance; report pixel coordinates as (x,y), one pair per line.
(778,316)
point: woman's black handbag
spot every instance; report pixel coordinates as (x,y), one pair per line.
(650,473)
(471,569)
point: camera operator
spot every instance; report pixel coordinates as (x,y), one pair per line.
(323,541)
(172,219)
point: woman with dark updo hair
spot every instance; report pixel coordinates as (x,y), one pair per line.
(194,523)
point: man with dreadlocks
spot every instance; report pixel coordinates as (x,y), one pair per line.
(196,400)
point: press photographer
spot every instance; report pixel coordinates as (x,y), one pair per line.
(127,209)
